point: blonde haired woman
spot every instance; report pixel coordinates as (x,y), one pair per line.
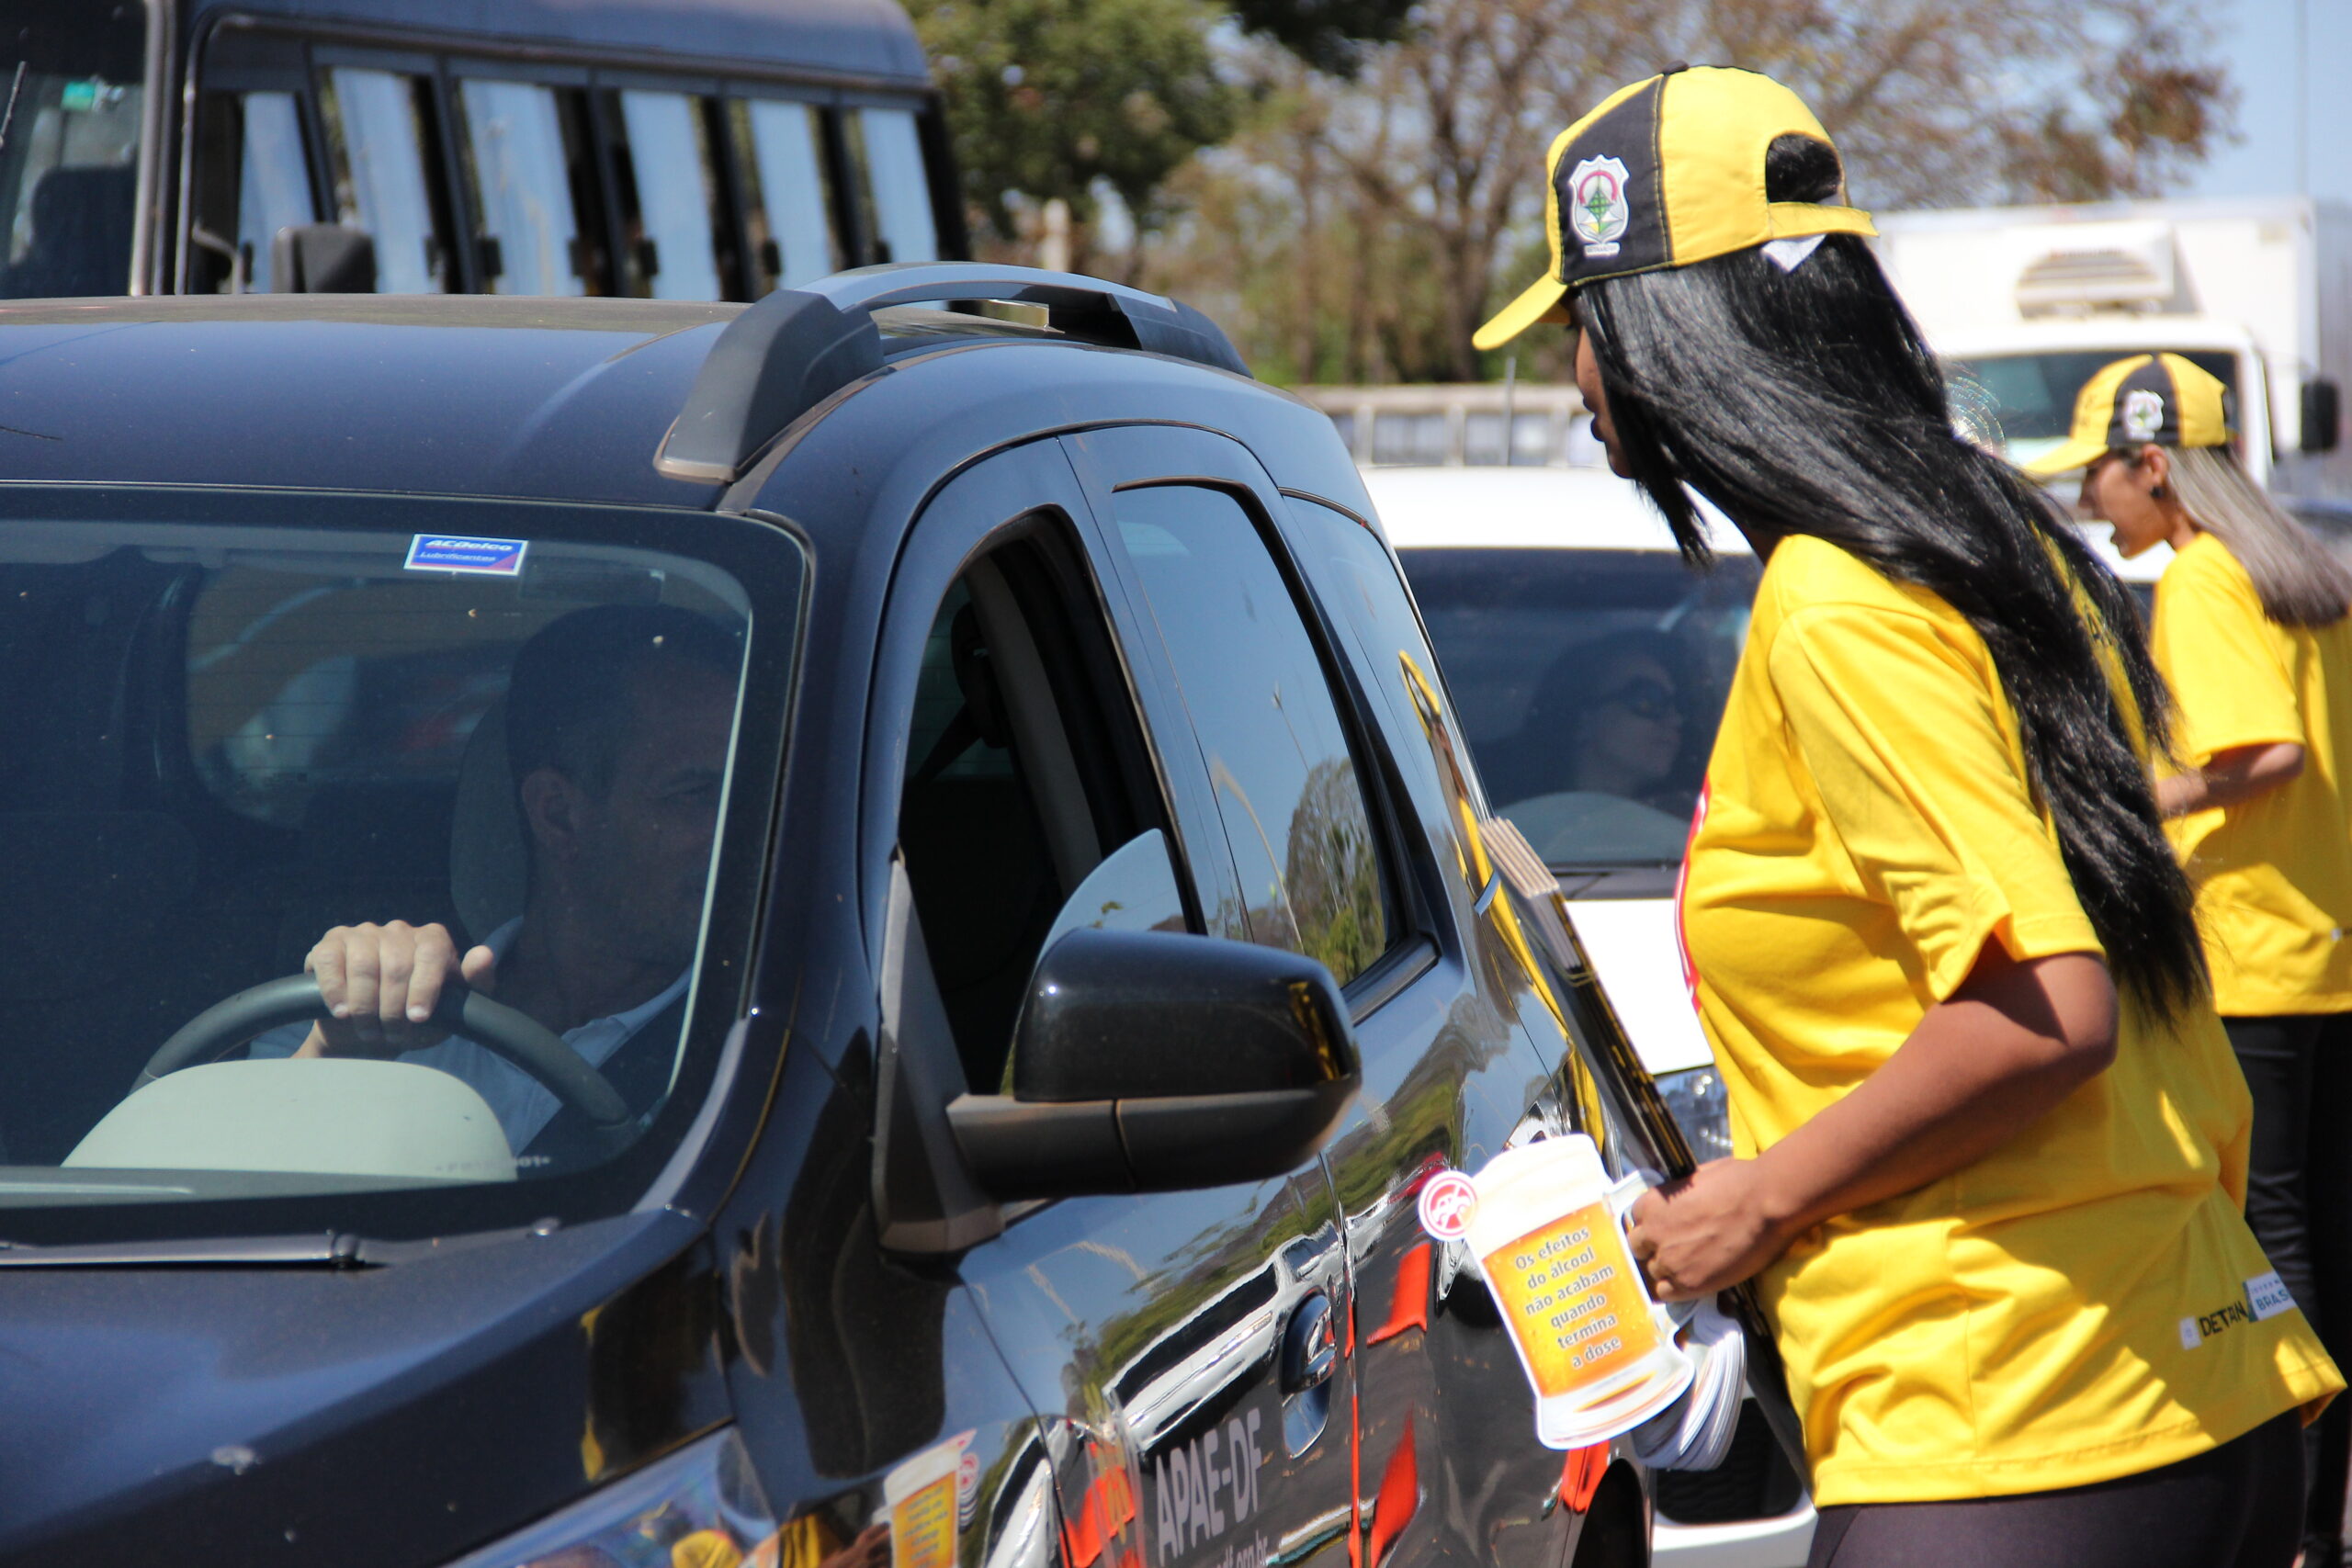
(2253,636)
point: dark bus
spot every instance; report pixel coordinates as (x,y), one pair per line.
(667,149)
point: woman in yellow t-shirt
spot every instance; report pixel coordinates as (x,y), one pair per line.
(2252,634)
(1991,1138)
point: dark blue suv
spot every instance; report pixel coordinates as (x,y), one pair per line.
(943,913)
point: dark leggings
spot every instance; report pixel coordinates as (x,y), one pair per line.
(2234,1507)
(2299,1200)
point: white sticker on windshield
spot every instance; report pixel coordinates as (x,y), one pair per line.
(463,552)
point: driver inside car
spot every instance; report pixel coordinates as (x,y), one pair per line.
(616,726)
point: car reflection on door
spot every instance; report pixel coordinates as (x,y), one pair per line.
(1185,1344)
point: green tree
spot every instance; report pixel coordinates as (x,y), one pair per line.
(1388,214)
(1059,99)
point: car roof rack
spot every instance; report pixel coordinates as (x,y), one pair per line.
(796,347)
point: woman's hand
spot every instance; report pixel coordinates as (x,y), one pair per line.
(1707,1232)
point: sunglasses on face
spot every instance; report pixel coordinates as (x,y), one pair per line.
(1643,699)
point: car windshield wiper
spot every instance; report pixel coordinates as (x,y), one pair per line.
(312,1250)
(1643,878)
(1603,867)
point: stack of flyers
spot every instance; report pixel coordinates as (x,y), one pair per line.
(1694,1432)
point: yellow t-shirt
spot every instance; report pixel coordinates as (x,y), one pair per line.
(2084,1303)
(2274,873)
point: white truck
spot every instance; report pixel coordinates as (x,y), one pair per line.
(2030,302)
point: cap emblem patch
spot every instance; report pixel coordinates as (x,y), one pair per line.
(2144,414)
(1598,208)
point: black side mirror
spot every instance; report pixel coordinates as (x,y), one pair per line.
(2322,416)
(1149,1061)
(322,258)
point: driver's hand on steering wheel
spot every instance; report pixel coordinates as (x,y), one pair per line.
(382,983)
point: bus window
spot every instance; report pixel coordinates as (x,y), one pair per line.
(273,181)
(676,190)
(68,167)
(375,132)
(788,200)
(901,190)
(520,168)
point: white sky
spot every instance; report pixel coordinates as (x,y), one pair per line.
(2256,39)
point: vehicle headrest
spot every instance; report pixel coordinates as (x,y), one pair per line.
(490,865)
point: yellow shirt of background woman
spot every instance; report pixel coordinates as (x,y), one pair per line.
(2273,873)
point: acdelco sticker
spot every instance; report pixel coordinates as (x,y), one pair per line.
(465,553)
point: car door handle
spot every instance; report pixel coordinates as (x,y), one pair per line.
(1310,1352)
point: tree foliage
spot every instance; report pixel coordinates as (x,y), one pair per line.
(1353,185)
(1361,229)
(1059,99)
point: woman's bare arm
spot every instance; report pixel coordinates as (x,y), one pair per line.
(2010,1043)
(2237,774)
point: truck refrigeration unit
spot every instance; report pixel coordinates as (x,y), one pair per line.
(2024,304)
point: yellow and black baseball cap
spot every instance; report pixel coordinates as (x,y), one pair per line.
(1666,172)
(2149,398)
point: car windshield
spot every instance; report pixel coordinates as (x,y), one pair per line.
(2032,395)
(70,78)
(1590,683)
(225,744)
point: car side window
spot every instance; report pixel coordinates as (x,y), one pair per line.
(274,181)
(518,159)
(901,190)
(1289,796)
(788,200)
(1359,584)
(1017,801)
(668,196)
(376,124)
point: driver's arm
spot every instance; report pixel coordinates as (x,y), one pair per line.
(382,984)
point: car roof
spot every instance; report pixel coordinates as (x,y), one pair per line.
(453,395)
(870,39)
(1580,508)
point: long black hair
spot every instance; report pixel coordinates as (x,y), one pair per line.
(1803,401)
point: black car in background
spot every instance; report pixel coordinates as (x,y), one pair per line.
(1094,937)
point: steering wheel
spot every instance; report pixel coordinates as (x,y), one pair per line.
(462,1010)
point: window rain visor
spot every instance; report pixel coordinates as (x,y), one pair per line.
(71,79)
(1590,682)
(361,765)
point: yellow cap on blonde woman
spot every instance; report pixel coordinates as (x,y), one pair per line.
(2159,399)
